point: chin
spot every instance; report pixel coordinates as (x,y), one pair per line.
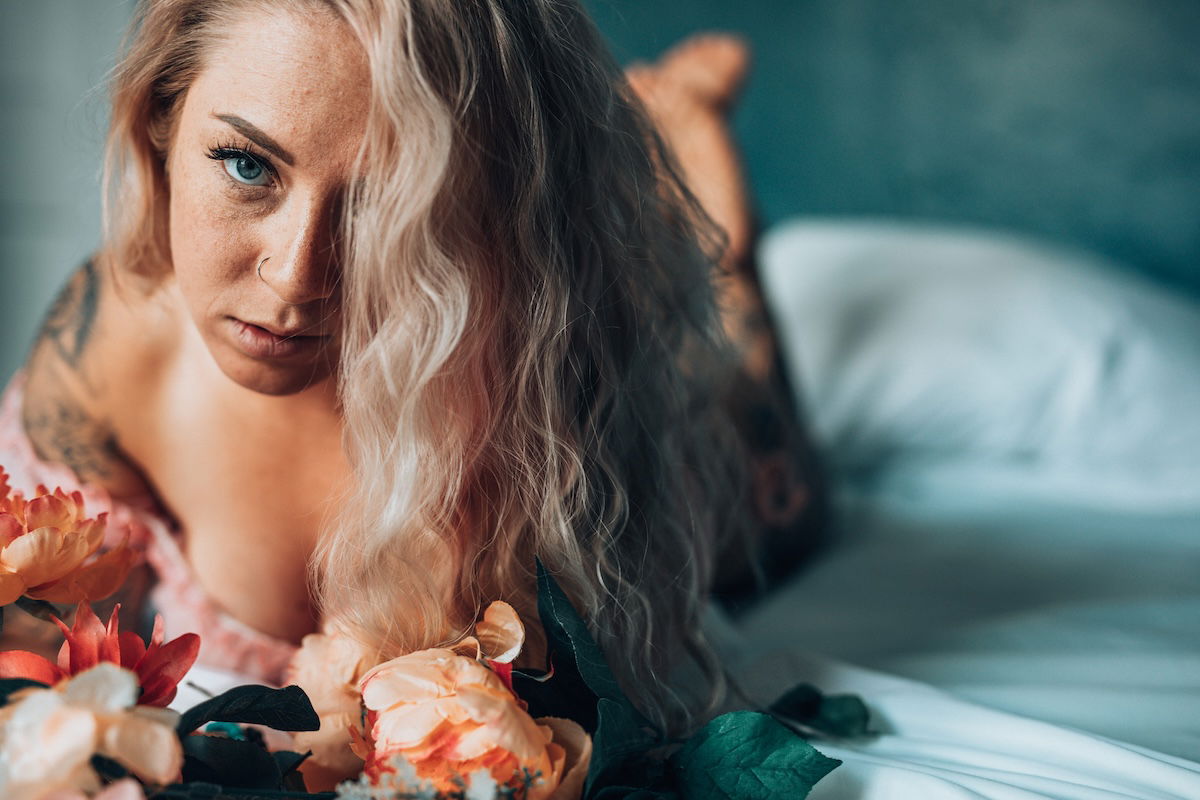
(277,380)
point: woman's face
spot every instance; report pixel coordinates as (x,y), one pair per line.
(260,160)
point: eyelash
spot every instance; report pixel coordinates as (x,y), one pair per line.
(232,150)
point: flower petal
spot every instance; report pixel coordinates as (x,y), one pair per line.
(500,633)
(93,532)
(10,528)
(132,649)
(11,587)
(46,738)
(410,678)
(577,747)
(162,668)
(330,745)
(82,649)
(144,746)
(105,688)
(43,555)
(94,581)
(409,726)
(49,511)
(327,667)
(23,664)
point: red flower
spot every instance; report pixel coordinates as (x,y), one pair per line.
(159,666)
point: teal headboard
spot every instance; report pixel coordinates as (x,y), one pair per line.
(1073,120)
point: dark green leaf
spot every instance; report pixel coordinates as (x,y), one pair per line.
(569,637)
(286,709)
(289,763)
(196,790)
(619,748)
(108,769)
(632,793)
(38,608)
(10,685)
(563,695)
(838,716)
(229,762)
(745,755)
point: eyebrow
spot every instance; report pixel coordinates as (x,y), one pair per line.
(257,136)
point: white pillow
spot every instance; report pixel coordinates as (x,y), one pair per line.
(936,360)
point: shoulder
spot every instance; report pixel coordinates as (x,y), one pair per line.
(85,352)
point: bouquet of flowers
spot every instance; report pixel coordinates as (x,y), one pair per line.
(455,723)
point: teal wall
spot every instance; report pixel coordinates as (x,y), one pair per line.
(53,115)
(1076,120)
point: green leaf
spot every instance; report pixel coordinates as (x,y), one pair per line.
(619,748)
(563,694)
(580,674)
(745,755)
(838,716)
(289,761)
(632,793)
(289,765)
(108,769)
(228,762)
(286,709)
(568,636)
(10,685)
(38,608)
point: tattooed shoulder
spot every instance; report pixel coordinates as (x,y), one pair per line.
(70,320)
(63,410)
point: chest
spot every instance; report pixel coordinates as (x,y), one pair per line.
(252,482)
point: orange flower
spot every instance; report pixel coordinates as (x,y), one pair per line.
(44,544)
(159,667)
(451,715)
(328,667)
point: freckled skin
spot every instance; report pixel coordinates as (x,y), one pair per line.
(147,390)
(153,393)
(311,98)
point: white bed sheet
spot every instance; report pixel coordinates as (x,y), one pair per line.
(1009,647)
(1014,581)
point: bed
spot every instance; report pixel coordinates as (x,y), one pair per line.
(1013,583)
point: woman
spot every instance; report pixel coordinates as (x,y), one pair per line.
(395,297)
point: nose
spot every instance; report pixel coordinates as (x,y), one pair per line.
(300,265)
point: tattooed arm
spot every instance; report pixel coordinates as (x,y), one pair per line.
(64,413)
(787,497)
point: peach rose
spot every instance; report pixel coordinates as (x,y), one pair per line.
(449,714)
(45,547)
(328,667)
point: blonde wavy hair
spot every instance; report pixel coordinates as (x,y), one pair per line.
(531,351)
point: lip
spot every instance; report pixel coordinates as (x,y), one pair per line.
(259,342)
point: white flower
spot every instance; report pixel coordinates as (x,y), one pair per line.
(48,736)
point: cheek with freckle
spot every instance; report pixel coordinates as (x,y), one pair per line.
(211,243)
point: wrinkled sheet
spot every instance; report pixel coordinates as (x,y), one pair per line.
(1006,652)
(1013,584)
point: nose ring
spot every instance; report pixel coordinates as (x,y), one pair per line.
(259,270)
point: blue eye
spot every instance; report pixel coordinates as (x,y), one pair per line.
(247,170)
